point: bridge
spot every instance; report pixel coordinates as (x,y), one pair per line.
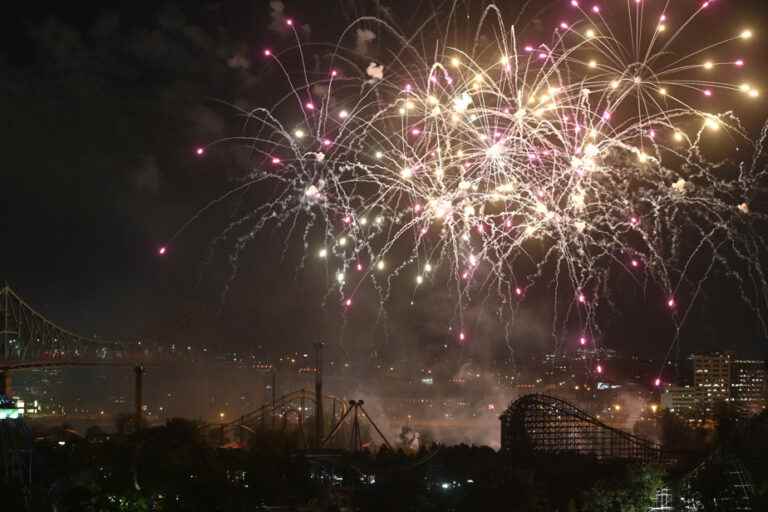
(547,425)
(29,340)
(27,335)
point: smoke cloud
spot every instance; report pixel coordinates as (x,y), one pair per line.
(364,38)
(238,62)
(146,178)
(278,17)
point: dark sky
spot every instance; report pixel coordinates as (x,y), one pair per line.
(102,109)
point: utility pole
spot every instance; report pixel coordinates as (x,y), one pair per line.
(6,321)
(318,394)
(274,395)
(138,396)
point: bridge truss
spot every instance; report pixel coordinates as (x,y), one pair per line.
(27,335)
(548,425)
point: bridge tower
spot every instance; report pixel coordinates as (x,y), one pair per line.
(6,327)
(5,383)
(5,332)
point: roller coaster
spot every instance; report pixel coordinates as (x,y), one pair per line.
(547,425)
(290,413)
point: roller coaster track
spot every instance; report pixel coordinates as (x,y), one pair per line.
(291,407)
(289,412)
(547,425)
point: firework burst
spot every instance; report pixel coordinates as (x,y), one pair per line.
(504,164)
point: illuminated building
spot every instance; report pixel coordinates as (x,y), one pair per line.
(712,376)
(748,384)
(9,409)
(722,377)
(556,364)
(505,379)
(680,399)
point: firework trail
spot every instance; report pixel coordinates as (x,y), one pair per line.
(502,164)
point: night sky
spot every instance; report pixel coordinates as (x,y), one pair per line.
(102,109)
